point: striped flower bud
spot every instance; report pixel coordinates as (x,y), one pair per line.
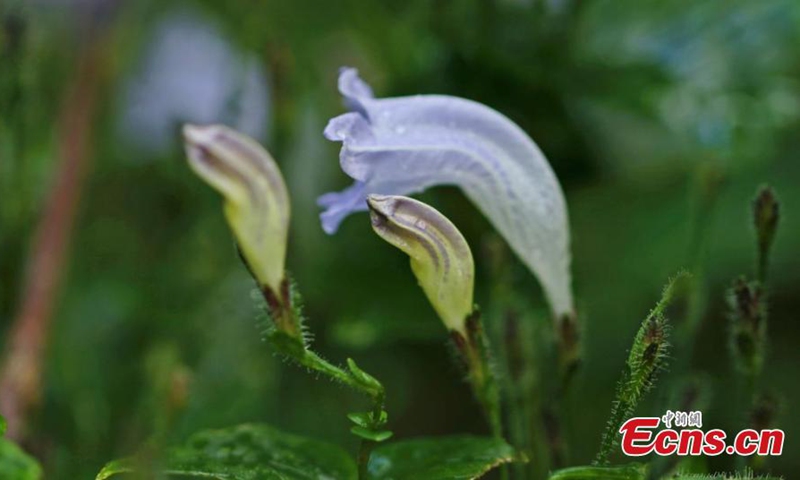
(440,257)
(256,199)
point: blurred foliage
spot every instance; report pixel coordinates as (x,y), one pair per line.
(247,452)
(634,103)
(251,452)
(16,464)
(441,458)
(634,471)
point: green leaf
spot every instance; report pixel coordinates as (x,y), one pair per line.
(247,452)
(362,419)
(363,377)
(443,458)
(16,464)
(3,426)
(633,471)
(115,467)
(367,419)
(721,476)
(369,434)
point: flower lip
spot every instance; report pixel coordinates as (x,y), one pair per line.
(197,134)
(380,207)
(198,139)
(354,90)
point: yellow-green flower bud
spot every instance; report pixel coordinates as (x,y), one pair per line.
(256,199)
(440,257)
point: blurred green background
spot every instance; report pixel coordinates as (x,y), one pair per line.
(660,120)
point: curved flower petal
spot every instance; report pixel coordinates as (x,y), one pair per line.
(256,199)
(403,145)
(440,257)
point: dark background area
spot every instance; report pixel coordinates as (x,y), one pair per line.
(660,120)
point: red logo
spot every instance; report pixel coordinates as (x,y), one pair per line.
(640,436)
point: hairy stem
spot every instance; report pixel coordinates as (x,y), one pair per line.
(287,334)
(648,356)
(474,351)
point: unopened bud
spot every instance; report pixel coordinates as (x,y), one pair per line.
(748,315)
(440,257)
(766,214)
(764,411)
(747,303)
(256,199)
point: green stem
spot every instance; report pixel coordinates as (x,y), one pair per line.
(312,361)
(286,335)
(747,389)
(475,352)
(364,452)
(647,356)
(568,353)
(518,381)
(356,379)
(484,386)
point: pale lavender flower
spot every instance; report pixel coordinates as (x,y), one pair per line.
(190,72)
(403,145)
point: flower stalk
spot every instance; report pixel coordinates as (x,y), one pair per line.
(442,262)
(568,337)
(280,310)
(748,308)
(476,357)
(748,299)
(748,327)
